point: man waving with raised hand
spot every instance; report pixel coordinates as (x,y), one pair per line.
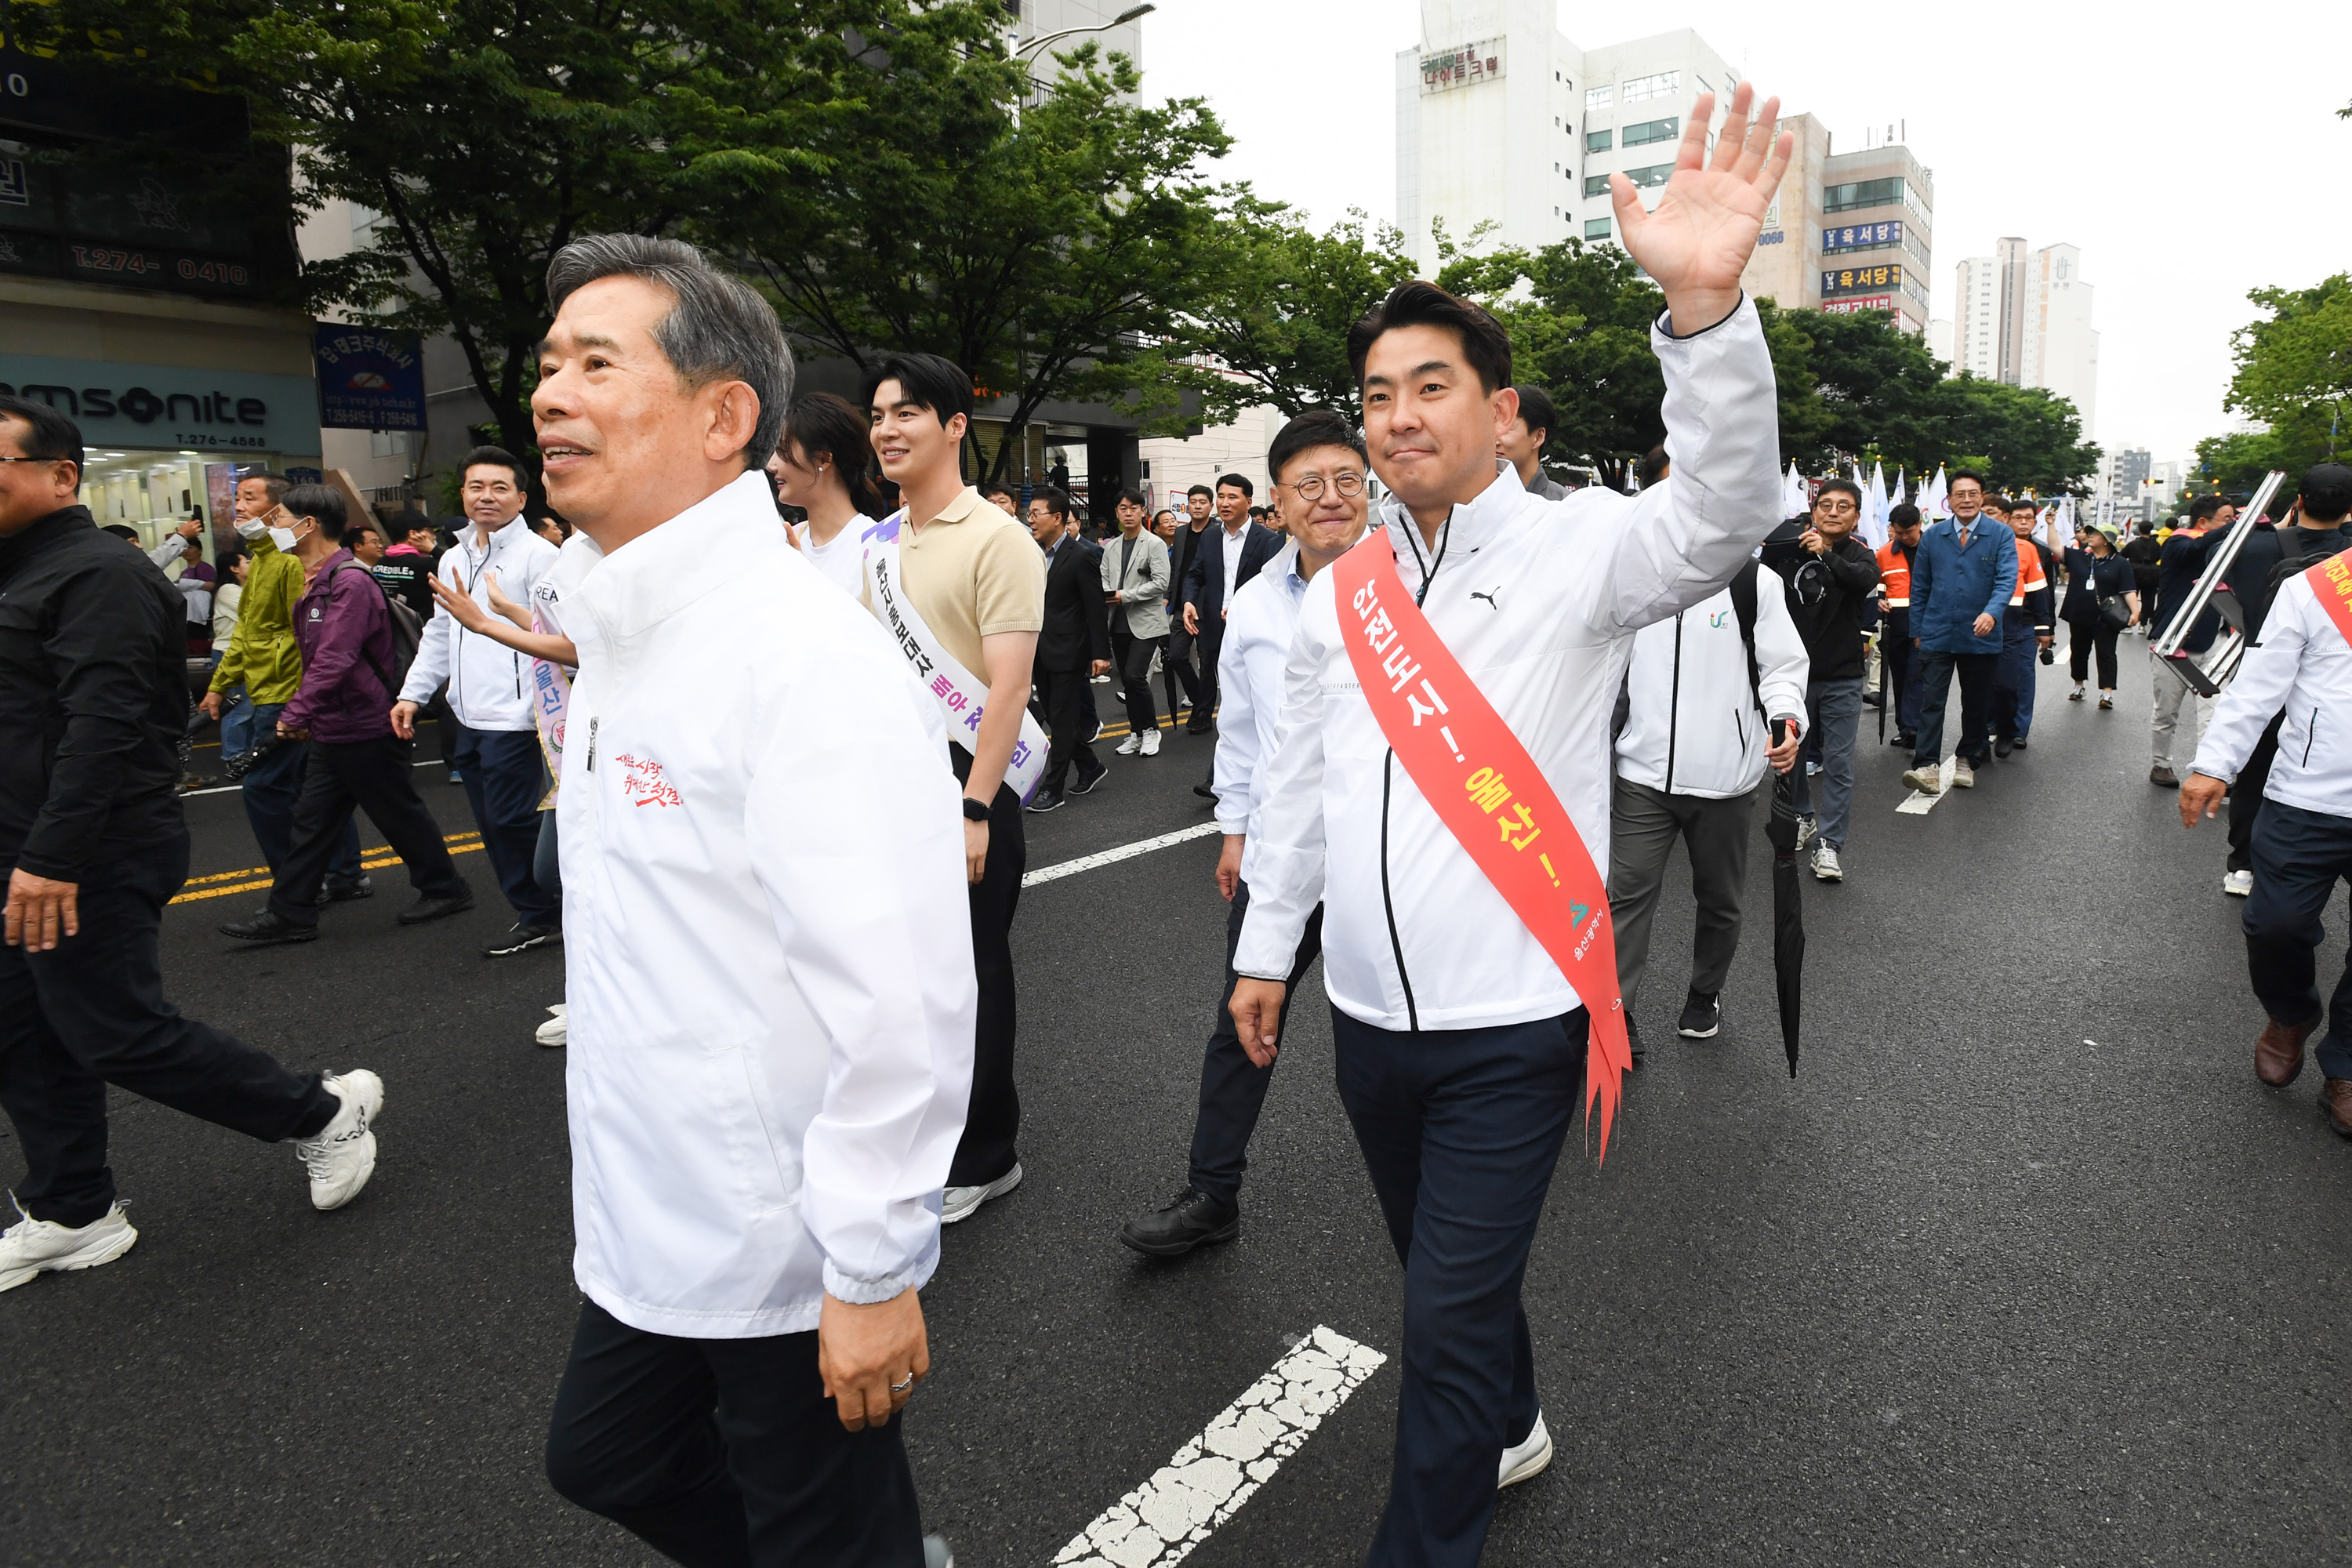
(1444,767)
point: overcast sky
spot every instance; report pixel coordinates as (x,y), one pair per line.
(2193,155)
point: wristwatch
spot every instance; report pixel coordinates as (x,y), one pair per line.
(975,810)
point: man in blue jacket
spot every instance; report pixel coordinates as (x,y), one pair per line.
(1960,584)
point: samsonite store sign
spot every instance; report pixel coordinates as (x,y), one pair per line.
(171,406)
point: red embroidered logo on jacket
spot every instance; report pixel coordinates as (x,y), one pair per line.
(645,782)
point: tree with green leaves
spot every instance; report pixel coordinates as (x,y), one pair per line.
(489,135)
(1289,297)
(1058,252)
(2294,364)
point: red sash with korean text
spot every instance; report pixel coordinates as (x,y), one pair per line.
(1490,796)
(2331,583)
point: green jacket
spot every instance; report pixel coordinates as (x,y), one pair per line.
(261,651)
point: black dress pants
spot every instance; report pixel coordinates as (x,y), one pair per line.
(1232,1087)
(1132,656)
(2299,857)
(1460,1130)
(1977,672)
(1072,730)
(991,1127)
(1176,665)
(1209,644)
(726,1453)
(2246,795)
(373,777)
(91,1012)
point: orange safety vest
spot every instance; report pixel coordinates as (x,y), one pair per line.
(2029,574)
(1894,575)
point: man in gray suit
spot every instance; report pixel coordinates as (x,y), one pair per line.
(1135,581)
(1522,443)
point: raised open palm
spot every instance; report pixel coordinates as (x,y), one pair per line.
(1699,239)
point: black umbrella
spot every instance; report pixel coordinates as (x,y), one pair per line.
(1788,902)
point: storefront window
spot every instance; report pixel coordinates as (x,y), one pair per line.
(154,492)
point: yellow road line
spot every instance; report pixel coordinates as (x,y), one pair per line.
(373,860)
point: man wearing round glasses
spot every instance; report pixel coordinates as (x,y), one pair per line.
(1317,463)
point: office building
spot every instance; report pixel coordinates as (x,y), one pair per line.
(147,298)
(1502,121)
(2023,317)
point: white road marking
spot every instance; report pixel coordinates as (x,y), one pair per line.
(1921,804)
(1209,1479)
(1124,852)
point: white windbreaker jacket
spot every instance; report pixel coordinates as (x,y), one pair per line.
(1539,600)
(769,974)
(1691,725)
(1259,627)
(489,683)
(2304,665)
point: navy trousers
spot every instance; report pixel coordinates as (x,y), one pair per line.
(1232,1087)
(1902,670)
(1936,670)
(2299,857)
(91,1012)
(1460,1130)
(726,1453)
(269,792)
(2012,698)
(505,780)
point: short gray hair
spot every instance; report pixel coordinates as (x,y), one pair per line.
(718,329)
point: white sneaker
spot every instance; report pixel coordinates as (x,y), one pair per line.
(342,1158)
(33,1247)
(1132,745)
(1529,1459)
(1964,774)
(1151,742)
(552,1034)
(2238,884)
(1825,864)
(1928,780)
(1807,824)
(962,1203)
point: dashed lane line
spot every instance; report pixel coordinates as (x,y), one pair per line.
(1208,1479)
(1124,852)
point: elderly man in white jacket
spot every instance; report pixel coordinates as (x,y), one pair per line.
(770,980)
(1689,760)
(1459,1043)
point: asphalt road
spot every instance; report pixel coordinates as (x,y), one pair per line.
(2025,1267)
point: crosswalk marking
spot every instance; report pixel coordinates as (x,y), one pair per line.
(1124,852)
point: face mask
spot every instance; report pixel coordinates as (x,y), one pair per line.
(251,528)
(284,539)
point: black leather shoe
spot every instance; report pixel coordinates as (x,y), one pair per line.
(269,926)
(1188,1220)
(346,893)
(1046,800)
(1634,1039)
(1909,742)
(1204,792)
(2003,747)
(429,908)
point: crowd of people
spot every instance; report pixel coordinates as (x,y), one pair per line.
(766,787)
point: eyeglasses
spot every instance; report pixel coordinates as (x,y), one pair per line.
(35,459)
(1348,485)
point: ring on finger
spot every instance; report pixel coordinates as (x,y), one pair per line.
(901,1387)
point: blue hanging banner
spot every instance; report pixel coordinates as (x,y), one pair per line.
(368,379)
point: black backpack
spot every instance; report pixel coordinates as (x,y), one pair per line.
(407,631)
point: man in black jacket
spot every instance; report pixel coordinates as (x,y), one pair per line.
(1229,556)
(93,699)
(1176,657)
(1074,644)
(1832,577)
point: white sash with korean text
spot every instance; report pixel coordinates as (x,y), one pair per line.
(960,694)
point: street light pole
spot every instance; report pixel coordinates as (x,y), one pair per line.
(1133,13)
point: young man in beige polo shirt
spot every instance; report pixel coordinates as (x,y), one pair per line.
(975,578)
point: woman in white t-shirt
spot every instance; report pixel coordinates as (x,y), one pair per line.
(824,465)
